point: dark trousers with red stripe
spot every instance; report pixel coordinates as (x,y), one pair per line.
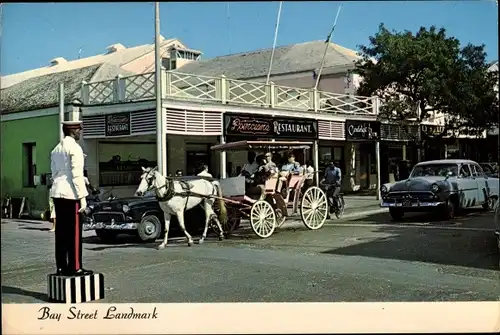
(68,234)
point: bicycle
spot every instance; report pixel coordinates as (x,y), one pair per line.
(334,205)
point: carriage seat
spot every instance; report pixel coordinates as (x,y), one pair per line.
(271,184)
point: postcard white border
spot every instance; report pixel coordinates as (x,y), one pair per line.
(259,318)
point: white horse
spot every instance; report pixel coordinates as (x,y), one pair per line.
(175,197)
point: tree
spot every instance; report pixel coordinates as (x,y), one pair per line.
(418,74)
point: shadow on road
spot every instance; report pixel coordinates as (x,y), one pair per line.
(131,241)
(26,293)
(431,219)
(465,247)
(34,228)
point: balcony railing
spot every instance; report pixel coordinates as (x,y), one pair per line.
(189,87)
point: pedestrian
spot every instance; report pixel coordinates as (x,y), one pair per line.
(204,172)
(68,193)
(309,175)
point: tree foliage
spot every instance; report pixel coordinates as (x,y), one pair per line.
(417,75)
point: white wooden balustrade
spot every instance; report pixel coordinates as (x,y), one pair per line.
(182,86)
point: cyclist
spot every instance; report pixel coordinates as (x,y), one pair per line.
(332,178)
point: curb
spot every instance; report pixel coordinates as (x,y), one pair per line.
(365,213)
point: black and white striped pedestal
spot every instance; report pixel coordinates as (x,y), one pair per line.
(75,289)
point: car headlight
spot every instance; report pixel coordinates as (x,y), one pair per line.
(383,189)
(125,208)
(435,188)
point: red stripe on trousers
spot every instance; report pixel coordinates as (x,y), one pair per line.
(77,237)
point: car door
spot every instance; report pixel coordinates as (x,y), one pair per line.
(482,187)
(467,186)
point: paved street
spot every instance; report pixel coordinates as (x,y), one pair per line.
(363,257)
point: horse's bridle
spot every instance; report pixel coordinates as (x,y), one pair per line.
(169,192)
(150,182)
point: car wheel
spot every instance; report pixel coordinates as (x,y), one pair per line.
(489,204)
(497,234)
(450,209)
(149,229)
(396,214)
(106,235)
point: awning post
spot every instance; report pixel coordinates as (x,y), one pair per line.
(222,157)
(316,161)
(379,175)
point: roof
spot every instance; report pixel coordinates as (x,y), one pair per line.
(294,58)
(245,145)
(43,91)
(493,66)
(448,161)
(36,89)
(117,58)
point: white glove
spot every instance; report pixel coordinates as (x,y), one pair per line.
(83,205)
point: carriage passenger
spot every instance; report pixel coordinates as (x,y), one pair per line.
(292,166)
(271,166)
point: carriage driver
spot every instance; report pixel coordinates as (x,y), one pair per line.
(257,187)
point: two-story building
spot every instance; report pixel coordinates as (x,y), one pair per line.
(202,96)
(30,122)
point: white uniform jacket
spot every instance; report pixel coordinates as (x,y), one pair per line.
(204,173)
(67,160)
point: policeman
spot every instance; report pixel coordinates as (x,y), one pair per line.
(68,193)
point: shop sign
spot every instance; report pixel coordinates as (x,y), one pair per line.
(264,127)
(431,130)
(118,124)
(361,130)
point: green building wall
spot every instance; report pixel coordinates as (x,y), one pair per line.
(44,131)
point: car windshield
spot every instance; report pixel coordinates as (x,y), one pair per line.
(440,170)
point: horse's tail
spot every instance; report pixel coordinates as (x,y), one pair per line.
(222,204)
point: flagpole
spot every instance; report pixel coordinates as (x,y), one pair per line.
(229,27)
(274,43)
(328,39)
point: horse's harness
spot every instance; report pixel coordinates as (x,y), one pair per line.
(169,189)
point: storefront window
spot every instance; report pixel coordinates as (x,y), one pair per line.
(197,154)
(120,162)
(327,154)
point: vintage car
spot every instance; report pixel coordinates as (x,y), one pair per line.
(443,185)
(140,216)
(497,224)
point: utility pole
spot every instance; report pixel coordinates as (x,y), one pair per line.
(61,110)
(161,143)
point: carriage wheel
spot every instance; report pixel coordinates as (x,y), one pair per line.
(278,209)
(314,208)
(233,220)
(262,219)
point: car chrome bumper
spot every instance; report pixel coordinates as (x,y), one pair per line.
(116,226)
(413,204)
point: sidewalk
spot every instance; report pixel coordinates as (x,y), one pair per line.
(358,201)
(361,205)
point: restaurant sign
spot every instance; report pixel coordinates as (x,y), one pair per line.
(118,124)
(261,126)
(362,130)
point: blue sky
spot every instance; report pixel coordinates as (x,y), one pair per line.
(33,34)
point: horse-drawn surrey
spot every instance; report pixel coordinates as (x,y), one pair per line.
(266,198)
